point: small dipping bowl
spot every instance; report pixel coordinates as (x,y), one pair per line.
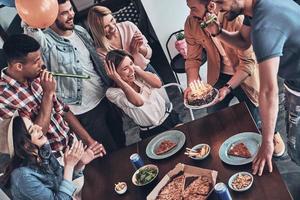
(199,146)
(120,187)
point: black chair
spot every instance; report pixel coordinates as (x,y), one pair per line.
(177,62)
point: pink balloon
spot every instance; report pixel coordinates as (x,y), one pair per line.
(37,13)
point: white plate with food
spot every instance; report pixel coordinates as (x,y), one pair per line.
(198,152)
(145,175)
(240,181)
(202,95)
(120,187)
(165,144)
(241,148)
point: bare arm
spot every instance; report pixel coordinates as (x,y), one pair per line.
(268,106)
(78,128)
(239,39)
(132,96)
(247,66)
(150,78)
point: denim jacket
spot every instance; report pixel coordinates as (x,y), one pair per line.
(30,182)
(60,56)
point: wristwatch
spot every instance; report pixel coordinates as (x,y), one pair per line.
(229,87)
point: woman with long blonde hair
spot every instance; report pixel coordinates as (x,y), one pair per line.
(109,35)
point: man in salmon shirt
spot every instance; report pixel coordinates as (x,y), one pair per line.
(234,72)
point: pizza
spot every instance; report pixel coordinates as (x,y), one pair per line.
(198,188)
(164,147)
(173,190)
(239,150)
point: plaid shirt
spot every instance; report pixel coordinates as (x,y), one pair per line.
(27,100)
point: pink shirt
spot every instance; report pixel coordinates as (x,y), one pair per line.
(127,30)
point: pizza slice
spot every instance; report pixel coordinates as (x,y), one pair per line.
(239,150)
(199,188)
(173,190)
(164,147)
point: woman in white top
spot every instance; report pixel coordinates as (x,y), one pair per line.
(136,92)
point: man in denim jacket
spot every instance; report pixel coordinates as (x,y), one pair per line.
(68,48)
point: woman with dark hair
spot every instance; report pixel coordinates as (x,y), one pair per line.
(137,93)
(34,172)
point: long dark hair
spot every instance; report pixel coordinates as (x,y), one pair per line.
(25,152)
(117,56)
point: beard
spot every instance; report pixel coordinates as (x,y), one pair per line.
(63,26)
(231,15)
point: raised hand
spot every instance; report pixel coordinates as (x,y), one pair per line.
(74,154)
(48,83)
(92,152)
(214,27)
(111,71)
(136,43)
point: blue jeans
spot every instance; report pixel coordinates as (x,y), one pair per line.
(292,107)
(239,94)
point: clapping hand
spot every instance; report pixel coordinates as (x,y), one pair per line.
(74,154)
(92,152)
(136,42)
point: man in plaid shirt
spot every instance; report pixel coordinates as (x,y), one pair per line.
(27,88)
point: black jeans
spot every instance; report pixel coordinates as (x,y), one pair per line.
(292,106)
(104,124)
(239,94)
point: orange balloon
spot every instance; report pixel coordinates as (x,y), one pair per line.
(37,13)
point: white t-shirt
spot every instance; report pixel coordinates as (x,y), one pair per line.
(92,92)
(149,114)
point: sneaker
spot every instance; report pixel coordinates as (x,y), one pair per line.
(279,146)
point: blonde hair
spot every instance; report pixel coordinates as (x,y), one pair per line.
(95,22)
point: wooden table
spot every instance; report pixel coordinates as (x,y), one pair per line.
(214,129)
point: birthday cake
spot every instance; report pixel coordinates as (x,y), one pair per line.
(201,93)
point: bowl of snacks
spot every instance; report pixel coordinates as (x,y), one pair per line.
(240,181)
(120,187)
(198,152)
(145,175)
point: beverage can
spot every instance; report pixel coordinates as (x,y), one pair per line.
(222,192)
(136,161)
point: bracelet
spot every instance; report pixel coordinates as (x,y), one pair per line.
(229,87)
(218,33)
